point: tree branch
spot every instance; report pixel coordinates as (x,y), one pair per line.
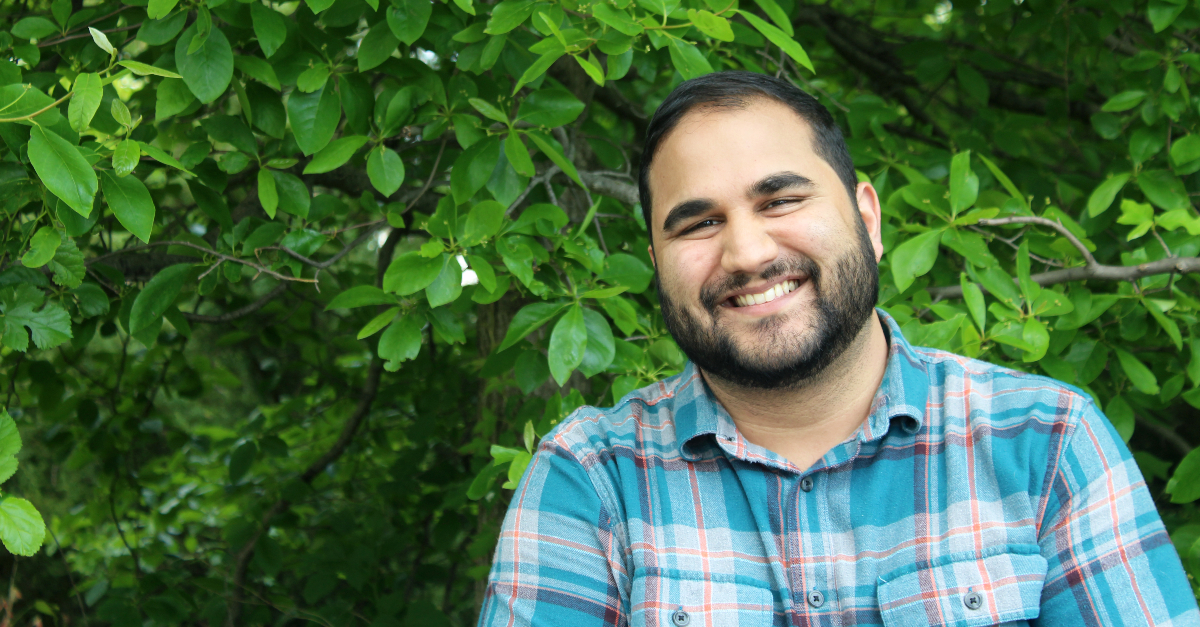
(1057,226)
(208,251)
(604,183)
(240,312)
(1098,272)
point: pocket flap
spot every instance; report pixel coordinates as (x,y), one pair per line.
(965,591)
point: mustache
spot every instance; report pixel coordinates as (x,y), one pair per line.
(713,294)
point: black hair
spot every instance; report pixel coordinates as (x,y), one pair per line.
(737,89)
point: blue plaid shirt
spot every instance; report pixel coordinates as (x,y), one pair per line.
(971,495)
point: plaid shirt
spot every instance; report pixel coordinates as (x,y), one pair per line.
(971,495)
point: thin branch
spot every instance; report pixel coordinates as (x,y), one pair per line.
(208,251)
(39,111)
(1057,226)
(240,312)
(85,35)
(1099,272)
(321,265)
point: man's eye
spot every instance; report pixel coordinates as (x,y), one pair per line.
(703,224)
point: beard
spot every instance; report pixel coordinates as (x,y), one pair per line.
(844,299)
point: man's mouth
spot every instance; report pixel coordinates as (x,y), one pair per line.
(771,293)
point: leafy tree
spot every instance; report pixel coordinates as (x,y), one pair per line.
(290,290)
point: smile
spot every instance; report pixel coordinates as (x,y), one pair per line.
(745,300)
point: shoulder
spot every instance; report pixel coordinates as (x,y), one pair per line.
(1002,395)
(642,420)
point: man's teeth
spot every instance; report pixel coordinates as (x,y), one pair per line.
(780,289)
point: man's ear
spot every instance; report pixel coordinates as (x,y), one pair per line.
(650,249)
(872,215)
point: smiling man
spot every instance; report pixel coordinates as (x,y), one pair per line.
(809,466)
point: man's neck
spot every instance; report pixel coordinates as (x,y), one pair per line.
(805,422)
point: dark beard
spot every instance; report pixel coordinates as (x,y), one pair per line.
(843,300)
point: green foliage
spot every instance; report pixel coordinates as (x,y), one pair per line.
(291,291)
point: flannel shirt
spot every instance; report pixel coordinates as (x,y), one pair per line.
(971,495)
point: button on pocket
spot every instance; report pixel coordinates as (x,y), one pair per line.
(973,600)
(815,598)
(680,618)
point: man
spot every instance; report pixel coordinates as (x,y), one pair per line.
(809,466)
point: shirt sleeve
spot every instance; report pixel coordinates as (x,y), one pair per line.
(560,555)
(1110,559)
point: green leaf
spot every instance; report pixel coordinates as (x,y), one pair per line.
(601,347)
(1162,13)
(1004,181)
(173,97)
(313,78)
(360,296)
(591,68)
(1164,189)
(50,327)
(42,247)
(230,130)
(335,155)
(781,39)
(518,155)
(688,59)
(488,110)
(21,526)
(914,258)
(627,270)
(268,196)
(62,170)
(24,99)
(410,273)
(1139,375)
(777,15)
(154,299)
(120,113)
(538,68)
(964,184)
(8,467)
(125,157)
(376,47)
(973,83)
(259,70)
(269,27)
(1120,414)
(483,221)
(1185,150)
(568,342)
(1167,324)
(973,297)
(34,28)
(529,319)
(377,323)
(10,438)
(67,264)
(473,168)
(483,272)
(145,69)
(1124,101)
(1029,289)
(385,170)
(408,19)
(130,201)
(294,197)
(158,9)
(163,157)
(448,285)
(101,40)
(209,69)
(314,117)
(85,101)
(1037,337)
(1184,485)
(616,19)
(401,341)
(550,149)
(241,460)
(508,15)
(551,107)
(712,25)
(1102,197)
(157,32)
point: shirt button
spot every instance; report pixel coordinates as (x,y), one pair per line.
(680,618)
(806,484)
(816,599)
(973,600)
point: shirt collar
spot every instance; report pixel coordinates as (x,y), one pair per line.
(903,393)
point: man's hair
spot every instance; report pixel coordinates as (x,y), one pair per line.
(737,89)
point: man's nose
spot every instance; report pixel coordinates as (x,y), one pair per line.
(747,246)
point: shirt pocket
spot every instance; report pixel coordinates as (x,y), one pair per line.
(671,598)
(1005,587)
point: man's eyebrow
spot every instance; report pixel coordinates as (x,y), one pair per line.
(684,210)
(778,182)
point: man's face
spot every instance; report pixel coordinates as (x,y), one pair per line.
(766,266)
